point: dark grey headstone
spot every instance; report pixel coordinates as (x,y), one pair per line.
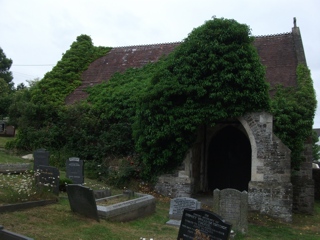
(41,157)
(49,177)
(2,126)
(202,224)
(75,170)
(82,201)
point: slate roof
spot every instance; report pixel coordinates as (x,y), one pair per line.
(278,53)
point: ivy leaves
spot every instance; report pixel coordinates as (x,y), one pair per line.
(294,110)
(214,74)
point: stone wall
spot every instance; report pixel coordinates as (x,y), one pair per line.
(174,185)
(303,184)
(270,189)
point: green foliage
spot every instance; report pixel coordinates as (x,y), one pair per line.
(5,98)
(65,76)
(214,74)
(39,110)
(63,182)
(122,175)
(5,73)
(294,110)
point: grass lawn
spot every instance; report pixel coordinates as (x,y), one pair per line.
(4,140)
(57,221)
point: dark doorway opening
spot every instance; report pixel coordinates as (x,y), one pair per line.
(229,160)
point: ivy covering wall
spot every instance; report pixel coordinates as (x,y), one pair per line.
(153,113)
(294,110)
(214,74)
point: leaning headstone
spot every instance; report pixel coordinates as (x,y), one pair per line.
(47,176)
(232,205)
(202,224)
(82,201)
(177,205)
(41,157)
(75,170)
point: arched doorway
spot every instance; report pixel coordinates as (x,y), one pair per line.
(229,160)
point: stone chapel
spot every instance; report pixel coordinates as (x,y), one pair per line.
(254,160)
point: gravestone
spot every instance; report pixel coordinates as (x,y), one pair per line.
(41,157)
(10,131)
(75,170)
(2,126)
(177,205)
(232,205)
(49,177)
(82,201)
(204,225)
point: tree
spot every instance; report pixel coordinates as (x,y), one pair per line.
(5,65)
(21,86)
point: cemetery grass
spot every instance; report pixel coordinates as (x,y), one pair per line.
(4,140)
(58,222)
(11,158)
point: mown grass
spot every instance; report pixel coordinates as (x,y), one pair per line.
(11,158)
(4,140)
(57,222)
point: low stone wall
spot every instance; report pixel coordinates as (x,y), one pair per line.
(25,205)
(174,185)
(15,167)
(316,179)
(271,198)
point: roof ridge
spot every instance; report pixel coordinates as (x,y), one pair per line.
(151,44)
(178,42)
(273,35)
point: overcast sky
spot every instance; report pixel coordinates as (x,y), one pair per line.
(35,33)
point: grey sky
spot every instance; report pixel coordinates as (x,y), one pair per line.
(38,32)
